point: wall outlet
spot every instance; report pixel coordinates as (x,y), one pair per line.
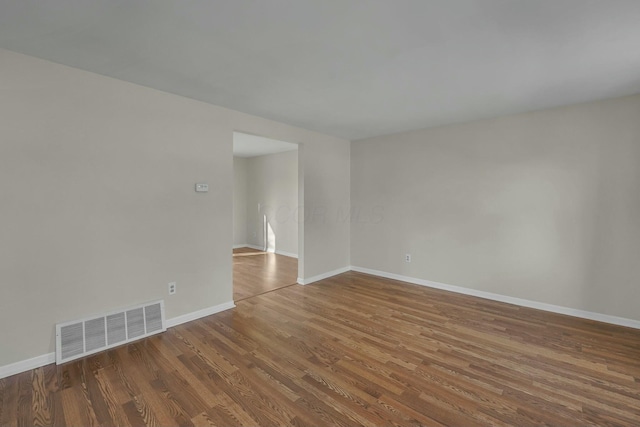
(407,258)
(172,288)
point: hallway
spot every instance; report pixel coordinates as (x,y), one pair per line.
(256,272)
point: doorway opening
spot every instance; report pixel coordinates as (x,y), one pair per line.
(266,215)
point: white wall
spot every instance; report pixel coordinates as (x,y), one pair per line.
(542,206)
(239,201)
(98,209)
(272,196)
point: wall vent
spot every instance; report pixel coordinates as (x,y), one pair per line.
(81,338)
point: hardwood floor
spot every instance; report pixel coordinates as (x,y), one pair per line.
(256,272)
(350,350)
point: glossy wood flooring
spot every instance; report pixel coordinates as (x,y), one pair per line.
(350,350)
(256,272)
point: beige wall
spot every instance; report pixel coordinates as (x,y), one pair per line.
(272,196)
(542,206)
(239,201)
(97,202)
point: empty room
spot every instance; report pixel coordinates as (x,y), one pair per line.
(270,213)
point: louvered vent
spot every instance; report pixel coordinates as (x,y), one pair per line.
(84,337)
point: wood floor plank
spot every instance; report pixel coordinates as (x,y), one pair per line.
(256,272)
(214,419)
(41,399)
(52,384)
(9,401)
(154,400)
(350,350)
(25,396)
(139,414)
(116,412)
(77,407)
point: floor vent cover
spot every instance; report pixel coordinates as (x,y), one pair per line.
(81,338)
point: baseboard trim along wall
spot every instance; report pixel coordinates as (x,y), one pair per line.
(46,359)
(323,276)
(200,313)
(271,251)
(27,365)
(620,321)
(289,254)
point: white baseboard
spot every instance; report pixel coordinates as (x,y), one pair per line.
(200,313)
(289,254)
(46,359)
(27,365)
(271,251)
(606,318)
(246,245)
(323,276)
